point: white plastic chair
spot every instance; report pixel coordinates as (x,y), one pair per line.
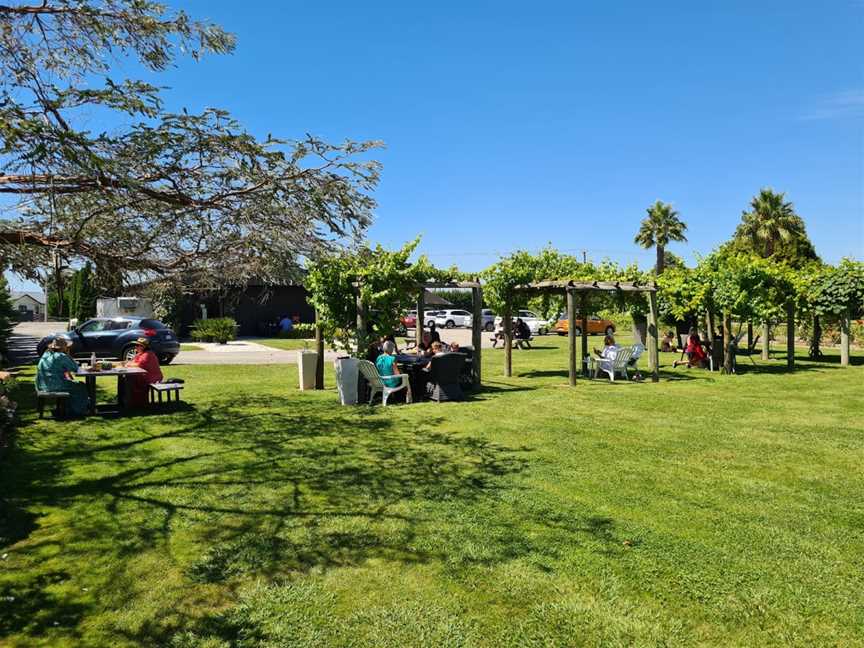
(376,385)
(618,364)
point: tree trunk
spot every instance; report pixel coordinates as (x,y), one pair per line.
(418,323)
(728,360)
(716,354)
(844,339)
(361,328)
(749,337)
(815,351)
(319,349)
(653,338)
(508,341)
(661,259)
(790,335)
(766,340)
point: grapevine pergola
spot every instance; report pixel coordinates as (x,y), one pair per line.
(422,287)
(580,292)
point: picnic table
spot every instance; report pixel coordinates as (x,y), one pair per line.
(90,380)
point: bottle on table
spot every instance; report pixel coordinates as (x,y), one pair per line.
(93,360)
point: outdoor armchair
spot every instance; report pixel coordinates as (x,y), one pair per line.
(376,383)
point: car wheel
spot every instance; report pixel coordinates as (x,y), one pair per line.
(559,332)
(489,327)
(449,324)
(610,330)
(128,352)
(166,360)
(578,331)
(542,331)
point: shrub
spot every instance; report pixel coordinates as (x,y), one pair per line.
(218,329)
(299,332)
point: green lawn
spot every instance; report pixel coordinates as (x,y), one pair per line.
(703,510)
(191,347)
(287,345)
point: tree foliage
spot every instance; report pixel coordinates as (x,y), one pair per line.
(387,283)
(83,294)
(160,193)
(772,230)
(8,316)
(662,226)
(839,289)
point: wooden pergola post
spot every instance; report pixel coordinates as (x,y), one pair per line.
(361,326)
(584,326)
(477,333)
(571,335)
(653,338)
(790,334)
(844,338)
(319,349)
(766,340)
(418,323)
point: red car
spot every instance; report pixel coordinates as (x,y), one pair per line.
(409,319)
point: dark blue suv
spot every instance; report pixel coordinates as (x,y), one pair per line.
(114,337)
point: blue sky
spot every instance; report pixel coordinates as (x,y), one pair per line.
(510,125)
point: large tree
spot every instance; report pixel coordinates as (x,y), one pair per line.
(155,193)
(658,229)
(772,229)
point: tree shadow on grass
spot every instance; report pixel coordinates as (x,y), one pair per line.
(264,485)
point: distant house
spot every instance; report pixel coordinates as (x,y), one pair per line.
(29,305)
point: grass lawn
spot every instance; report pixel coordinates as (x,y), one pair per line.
(703,510)
(191,347)
(287,345)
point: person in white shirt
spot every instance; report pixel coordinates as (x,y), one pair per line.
(607,355)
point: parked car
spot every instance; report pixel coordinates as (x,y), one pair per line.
(596,325)
(114,337)
(409,319)
(453,318)
(538,325)
(429,317)
(487,318)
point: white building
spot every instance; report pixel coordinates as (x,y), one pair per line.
(30,305)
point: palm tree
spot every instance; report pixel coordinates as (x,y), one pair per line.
(771,221)
(661,226)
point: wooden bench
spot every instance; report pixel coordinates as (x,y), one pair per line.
(515,343)
(157,389)
(58,398)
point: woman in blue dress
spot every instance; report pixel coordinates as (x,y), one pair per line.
(54,374)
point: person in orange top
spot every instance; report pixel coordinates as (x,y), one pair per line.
(139,384)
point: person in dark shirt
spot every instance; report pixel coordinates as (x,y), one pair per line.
(433,332)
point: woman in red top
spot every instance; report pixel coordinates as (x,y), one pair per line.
(139,384)
(696,356)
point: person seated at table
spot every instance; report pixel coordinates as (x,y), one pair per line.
(454,347)
(667,345)
(434,335)
(390,338)
(386,364)
(522,333)
(138,385)
(695,352)
(607,355)
(373,351)
(425,344)
(55,374)
(498,335)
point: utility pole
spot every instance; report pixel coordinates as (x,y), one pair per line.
(584,256)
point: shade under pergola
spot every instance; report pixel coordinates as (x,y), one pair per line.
(582,290)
